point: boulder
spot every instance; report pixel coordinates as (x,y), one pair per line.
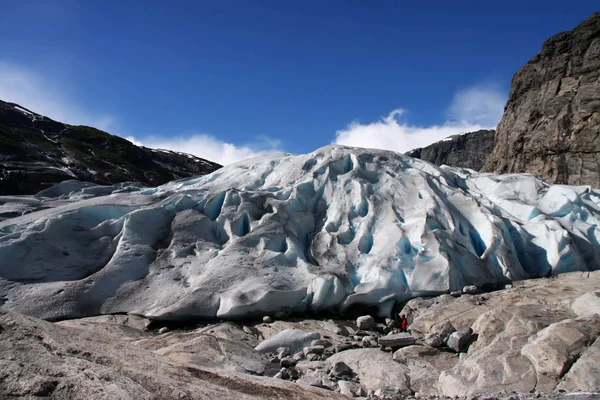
(365,322)
(340,369)
(460,341)
(434,340)
(397,340)
(267,320)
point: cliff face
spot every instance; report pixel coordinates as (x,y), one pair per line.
(551,123)
(37,152)
(467,150)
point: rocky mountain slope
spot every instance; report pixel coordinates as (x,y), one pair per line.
(37,152)
(467,150)
(551,123)
(336,230)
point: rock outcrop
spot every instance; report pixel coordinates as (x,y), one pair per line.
(467,150)
(37,152)
(551,123)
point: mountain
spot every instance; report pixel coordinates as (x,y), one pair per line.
(37,152)
(336,230)
(467,150)
(551,122)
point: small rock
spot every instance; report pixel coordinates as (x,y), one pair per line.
(369,341)
(340,369)
(343,346)
(350,389)
(321,342)
(471,289)
(299,356)
(294,374)
(365,322)
(313,350)
(313,357)
(445,330)
(434,340)
(162,330)
(460,341)
(283,374)
(287,362)
(456,293)
(247,330)
(267,319)
(508,286)
(283,352)
(390,323)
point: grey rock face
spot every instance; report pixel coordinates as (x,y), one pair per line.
(552,119)
(467,150)
(37,153)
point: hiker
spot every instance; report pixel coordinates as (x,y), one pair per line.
(403,323)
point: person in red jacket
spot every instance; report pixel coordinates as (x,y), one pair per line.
(403,323)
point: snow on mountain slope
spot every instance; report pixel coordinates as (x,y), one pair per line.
(280,233)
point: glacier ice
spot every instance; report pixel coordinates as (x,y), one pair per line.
(327,231)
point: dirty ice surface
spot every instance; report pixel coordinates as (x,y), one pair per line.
(283,233)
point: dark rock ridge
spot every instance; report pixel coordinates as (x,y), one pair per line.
(37,152)
(551,123)
(466,150)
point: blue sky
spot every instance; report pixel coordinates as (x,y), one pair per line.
(230,79)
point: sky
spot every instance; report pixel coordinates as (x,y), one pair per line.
(227,80)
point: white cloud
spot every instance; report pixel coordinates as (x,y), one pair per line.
(43,95)
(210,148)
(482,104)
(479,107)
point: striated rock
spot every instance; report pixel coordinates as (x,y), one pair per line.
(584,375)
(552,118)
(554,349)
(45,360)
(467,150)
(504,324)
(37,153)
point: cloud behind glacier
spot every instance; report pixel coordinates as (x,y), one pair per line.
(211,148)
(478,107)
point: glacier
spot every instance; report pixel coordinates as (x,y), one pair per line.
(329,231)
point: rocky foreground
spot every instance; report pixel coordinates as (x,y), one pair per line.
(536,338)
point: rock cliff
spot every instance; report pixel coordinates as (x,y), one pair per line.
(37,152)
(467,150)
(551,123)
